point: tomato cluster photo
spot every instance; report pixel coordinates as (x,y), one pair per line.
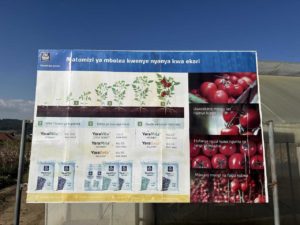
(226,147)
(242,154)
(223,88)
(241,120)
(225,120)
(221,188)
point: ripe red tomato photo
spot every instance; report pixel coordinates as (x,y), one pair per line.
(250,119)
(231,100)
(219,161)
(194,150)
(244,186)
(248,148)
(233,130)
(220,81)
(260,199)
(231,116)
(260,148)
(233,79)
(207,89)
(201,162)
(257,162)
(234,185)
(228,149)
(253,77)
(243,83)
(237,90)
(228,87)
(219,96)
(236,161)
(247,79)
(210,149)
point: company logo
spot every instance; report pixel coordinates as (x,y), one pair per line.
(170,168)
(111,168)
(45,56)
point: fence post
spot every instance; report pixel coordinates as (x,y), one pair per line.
(291,183)
(274,174)
(298,158)
(20,174)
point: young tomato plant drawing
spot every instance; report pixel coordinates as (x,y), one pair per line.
(102,92)
(119,90)
(85,97)
(141,89)
(70,97)
(165,87)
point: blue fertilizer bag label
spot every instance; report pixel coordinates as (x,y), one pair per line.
(98,178)
(66,171)
(125,176)
(88,182)
(149,176)
(45,176)
(170,177)
(110,176)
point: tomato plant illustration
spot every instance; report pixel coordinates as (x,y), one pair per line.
(165,89)
(119,91)
(141,89)
(85,97)
(102,92)
(70,97)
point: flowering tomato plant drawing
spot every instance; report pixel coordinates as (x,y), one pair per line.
(119,91)
(141,89)
(102,92)
(165,87)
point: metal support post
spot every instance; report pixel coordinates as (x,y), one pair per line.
(274,174)
(20,174)
(291,184)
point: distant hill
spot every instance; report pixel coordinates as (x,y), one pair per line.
(279,68)
(11,124)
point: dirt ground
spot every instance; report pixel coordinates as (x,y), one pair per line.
(31,214)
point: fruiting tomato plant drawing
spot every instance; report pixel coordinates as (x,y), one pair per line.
(141,89)
(119,89)
(165,87)
(102,92)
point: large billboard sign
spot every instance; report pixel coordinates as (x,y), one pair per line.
(147,126)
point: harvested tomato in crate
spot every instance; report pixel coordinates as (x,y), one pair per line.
(223,88)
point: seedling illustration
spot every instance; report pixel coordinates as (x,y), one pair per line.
(119,90)
(83,98)
(141,89)
(165,89)
(69,97)
(102,92)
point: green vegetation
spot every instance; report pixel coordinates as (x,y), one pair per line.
(9,158)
